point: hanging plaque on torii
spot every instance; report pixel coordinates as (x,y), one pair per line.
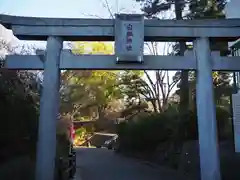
(129,38)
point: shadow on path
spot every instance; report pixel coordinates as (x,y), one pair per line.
(103,164)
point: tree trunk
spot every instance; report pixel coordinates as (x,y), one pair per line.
(101,113)
(184,90)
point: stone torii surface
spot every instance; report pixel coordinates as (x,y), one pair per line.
(70,29)
(57,30)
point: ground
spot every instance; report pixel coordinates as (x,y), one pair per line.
(104,164)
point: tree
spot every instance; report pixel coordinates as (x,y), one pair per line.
(221,84)
(152,9)
(92,48)
(90,88)
(212,9)
(19,108)
(152,86)
(195,9)
(207,9)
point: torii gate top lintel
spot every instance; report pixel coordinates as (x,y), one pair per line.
(76,29)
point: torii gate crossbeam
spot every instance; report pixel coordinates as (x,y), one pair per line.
(69,61)
(57,30)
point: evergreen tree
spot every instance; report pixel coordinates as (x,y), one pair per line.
(203,9)
(206,9)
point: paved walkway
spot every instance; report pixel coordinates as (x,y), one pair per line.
(103,164)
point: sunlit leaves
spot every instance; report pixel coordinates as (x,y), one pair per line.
(92,48)
(92,87)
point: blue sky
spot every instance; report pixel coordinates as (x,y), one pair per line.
(63,8)
(69,9)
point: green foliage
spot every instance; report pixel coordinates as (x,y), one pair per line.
(19,124)
(133,87)
(90,129)
(81,132)
(221,84)
(133,109)
(89,88)
(92,48)
(146,133)
(210,9)
(19,112)
(203,9)
(152,8)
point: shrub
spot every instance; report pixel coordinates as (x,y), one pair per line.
(20,168)
(18,137)
(81,132)
(223,124)
(145,133)
(19,112)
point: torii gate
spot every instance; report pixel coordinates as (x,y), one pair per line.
(129,33)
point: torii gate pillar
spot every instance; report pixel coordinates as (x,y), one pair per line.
(206,112)
(46,146)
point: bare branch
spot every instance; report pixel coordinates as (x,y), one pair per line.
(150,80)
(171,86)
(106,5)
(149,47)
(148,89)
(92,15)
